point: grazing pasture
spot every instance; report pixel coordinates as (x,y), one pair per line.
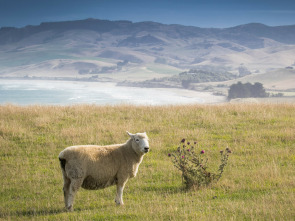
(257,184)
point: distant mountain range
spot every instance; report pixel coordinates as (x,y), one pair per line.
(96,49)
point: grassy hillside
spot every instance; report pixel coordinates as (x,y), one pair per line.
(258,183)
(280,79)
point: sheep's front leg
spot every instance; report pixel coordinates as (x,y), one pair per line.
(119,197)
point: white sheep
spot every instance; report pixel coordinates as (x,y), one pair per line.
(96,167)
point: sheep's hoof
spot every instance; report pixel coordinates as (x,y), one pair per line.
(70,208)
(118,203)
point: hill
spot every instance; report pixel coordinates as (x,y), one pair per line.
(112,50)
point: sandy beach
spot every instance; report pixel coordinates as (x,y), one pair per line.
(26,92)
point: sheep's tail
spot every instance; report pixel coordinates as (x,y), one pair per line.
(62,163)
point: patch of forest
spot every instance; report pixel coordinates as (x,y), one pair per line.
(183,79)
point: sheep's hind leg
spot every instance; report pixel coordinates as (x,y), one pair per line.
(66,189)
(74,187)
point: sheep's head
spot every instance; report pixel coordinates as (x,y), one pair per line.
(140,142)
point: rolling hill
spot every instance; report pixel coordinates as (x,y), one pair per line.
(119,50)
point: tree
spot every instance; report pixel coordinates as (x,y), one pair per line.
(241,90)
(258,90)
(185,83)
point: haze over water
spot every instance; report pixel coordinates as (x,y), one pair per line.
(28,92)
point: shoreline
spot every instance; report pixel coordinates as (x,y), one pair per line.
(114,94)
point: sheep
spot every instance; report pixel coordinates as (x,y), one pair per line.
(96,167)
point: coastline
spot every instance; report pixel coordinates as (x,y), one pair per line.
(97,92)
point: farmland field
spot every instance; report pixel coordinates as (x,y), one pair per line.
(258,182)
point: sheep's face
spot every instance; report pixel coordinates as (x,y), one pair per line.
(140,142)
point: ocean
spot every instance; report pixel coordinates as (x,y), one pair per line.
(30,92)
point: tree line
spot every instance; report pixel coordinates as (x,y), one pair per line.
(241,90)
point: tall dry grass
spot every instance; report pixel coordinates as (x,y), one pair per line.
(258,183)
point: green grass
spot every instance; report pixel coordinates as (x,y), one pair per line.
(258,182)
(163,69)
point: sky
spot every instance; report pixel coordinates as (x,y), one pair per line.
(200,13)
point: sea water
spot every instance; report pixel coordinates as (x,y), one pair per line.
(28,92)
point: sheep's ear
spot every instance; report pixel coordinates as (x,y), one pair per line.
(130,134)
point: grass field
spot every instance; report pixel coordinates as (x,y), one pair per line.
(258,182)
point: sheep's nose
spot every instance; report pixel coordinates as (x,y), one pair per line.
(146,149)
